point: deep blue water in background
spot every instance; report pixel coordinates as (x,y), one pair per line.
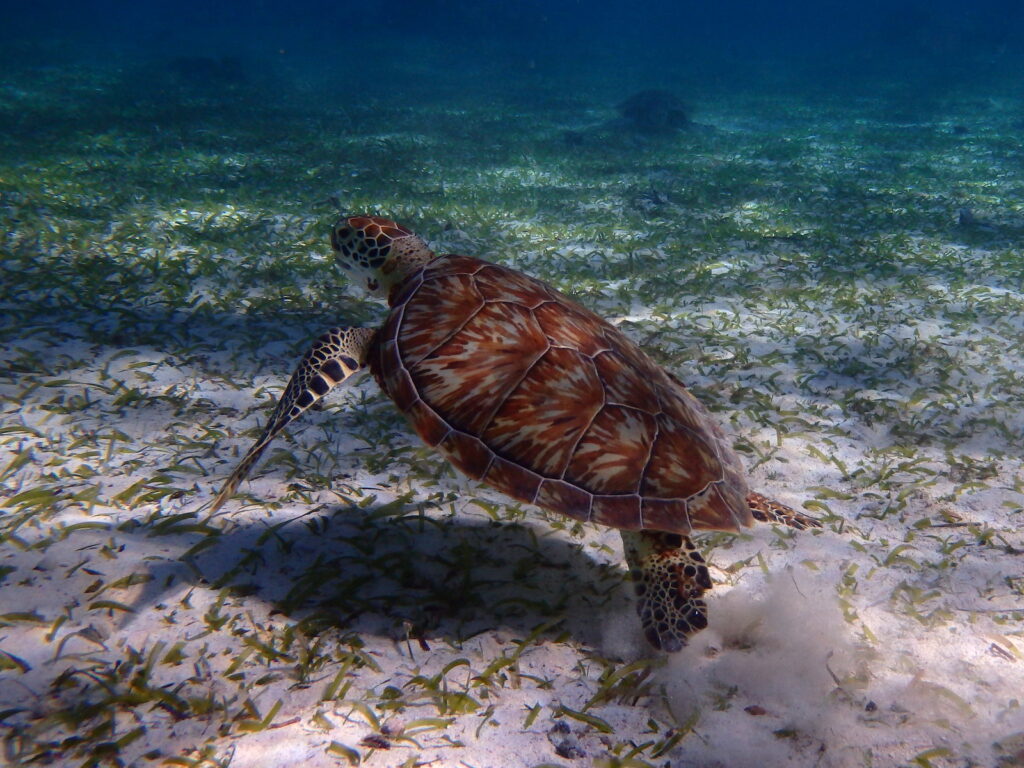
(821,42)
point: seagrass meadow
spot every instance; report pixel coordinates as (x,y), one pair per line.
(837,274)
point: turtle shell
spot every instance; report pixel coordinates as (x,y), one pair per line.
(527,391)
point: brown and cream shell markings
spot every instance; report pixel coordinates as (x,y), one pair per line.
(525,390)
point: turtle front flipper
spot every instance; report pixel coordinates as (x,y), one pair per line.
(333,358)
(670,577)
(769,511)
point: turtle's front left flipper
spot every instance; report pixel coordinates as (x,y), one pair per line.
(334,357)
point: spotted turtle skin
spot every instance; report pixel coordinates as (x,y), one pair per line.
(525,390)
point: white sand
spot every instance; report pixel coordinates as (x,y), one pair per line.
(872,642)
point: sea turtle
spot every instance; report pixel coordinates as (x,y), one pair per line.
(525,390)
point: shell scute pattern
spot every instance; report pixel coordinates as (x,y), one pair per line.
(431,428)
(605,471)
(427,327)
(467,453)
(515,479)
(708,505)
(664,475)
(452,264)
(623,512)
(472,373)
(685,409)
(551,405)
(565,498)
(497,284)
(569,325)
(543,419)
(624,384)
(664,514)
(398,381)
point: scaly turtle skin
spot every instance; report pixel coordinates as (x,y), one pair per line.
(526,391)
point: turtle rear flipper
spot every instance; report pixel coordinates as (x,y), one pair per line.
(670,577)
(333,358)
(770,511)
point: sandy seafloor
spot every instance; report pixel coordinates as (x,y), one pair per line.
(798,259)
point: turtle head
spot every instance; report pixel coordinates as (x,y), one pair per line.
(377,253)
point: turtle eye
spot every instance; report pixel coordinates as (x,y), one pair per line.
(372,284)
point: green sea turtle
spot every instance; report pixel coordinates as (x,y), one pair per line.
(526,391)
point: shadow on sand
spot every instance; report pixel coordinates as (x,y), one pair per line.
(394,571)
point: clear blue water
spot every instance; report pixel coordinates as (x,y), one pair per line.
(849,39)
